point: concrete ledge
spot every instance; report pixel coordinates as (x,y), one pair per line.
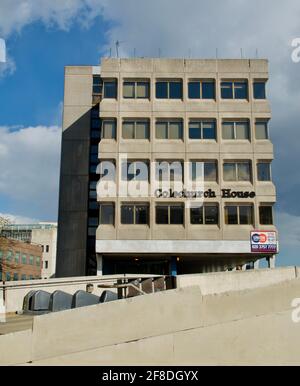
(219,282)
(15,348)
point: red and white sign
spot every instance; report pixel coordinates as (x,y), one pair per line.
(263,241)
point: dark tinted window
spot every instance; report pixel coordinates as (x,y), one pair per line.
(176,214)
(194,90)
(162,214)
(259,90)
(110,89)
(175,90)
(263,171)
(161,90)
(208,90)
(266,215)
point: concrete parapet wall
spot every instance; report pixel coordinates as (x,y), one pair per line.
(15,348)
(153,315)
(219,282)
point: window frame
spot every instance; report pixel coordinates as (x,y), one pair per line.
(233,83)
(266,123)
(136,83)
(168,83)
(205,161)
(203,208)
(237,173)
(235,123)
(168,122)
(265,205)
(135,122)
(112,80)
(200,82)
(134,206)
(264,162)
(201,123)
(258,81)
(238,206)
(114,129)
(111,204)
(169,206)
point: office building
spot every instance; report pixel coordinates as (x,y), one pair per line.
(193,136)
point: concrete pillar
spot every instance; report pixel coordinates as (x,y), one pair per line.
(99,265)
(272,261)
(2,307)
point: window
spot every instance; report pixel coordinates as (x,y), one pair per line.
(138,170)
(107,214)
(264,171)
(239,215)
(47,248)
(169,89)
(236,130)
(97,84)
(23,277)
(107,171)
(201,89)
(31,260)
(234,89)
(261,129)
(169,129)
(166,170)
(17,257)
(38,261)
(208,214)
(110,89)
(8,276)
(170,214)
(46,264)
(203,170)
(237,171)
(259,90)
(202,129)
(135,214)
(24,259)
(136,89)
(136,129)
(266,215)
(108,129)
(9,255)
(15,277)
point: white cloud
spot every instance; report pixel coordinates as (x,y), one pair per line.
(16,219)
(289,229)
(29,167)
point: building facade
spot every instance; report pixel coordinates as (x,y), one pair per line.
(43,234)
(166,167)
(19,260)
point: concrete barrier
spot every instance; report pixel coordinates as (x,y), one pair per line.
(15,348)
(219,282)
(152,315)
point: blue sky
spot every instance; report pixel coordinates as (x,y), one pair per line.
(43,36)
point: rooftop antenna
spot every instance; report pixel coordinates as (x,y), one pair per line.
(242,53)
(217,54)
(110,52)
(117,47)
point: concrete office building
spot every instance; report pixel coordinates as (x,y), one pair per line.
(130,115)
(43,234)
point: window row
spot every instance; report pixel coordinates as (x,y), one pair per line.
(173,88)
(173,170)
(198,129)
(19,258)
(172,214)
(14,276)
